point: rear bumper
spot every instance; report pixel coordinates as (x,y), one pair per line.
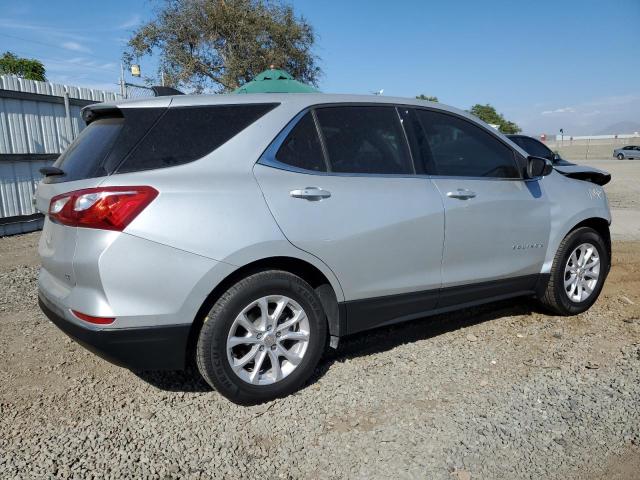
(147,348)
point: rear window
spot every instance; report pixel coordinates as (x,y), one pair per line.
(150,138)
(85,156)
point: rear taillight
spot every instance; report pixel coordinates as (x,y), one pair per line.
(106,208)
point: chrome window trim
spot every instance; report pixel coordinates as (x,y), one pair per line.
(268,157)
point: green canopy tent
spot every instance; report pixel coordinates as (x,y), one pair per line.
(275,81)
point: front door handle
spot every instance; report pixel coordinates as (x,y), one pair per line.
(461,194)
(312,194)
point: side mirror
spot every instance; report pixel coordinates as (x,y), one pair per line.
(538,167)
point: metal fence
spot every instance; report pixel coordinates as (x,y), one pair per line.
(137,91)
(591,148)
(38,120)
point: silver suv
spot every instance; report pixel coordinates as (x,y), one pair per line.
(248,232)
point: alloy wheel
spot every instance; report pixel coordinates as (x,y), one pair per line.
(581,272)
(268,340)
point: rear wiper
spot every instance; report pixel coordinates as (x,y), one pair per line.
(51,171)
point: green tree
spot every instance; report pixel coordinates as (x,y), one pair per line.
(488,114)
(29,68)
(422,96)
(225,43)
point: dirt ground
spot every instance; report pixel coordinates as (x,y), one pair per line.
(500,391)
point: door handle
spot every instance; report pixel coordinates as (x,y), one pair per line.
(312,194)
(461,194)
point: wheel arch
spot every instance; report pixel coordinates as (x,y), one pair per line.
(600,225)
(336,318)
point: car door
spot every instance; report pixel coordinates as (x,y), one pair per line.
(496,223)
(341,185)
(629,151)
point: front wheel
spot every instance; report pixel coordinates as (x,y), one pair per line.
(578,272)
(263,338)
(620,156)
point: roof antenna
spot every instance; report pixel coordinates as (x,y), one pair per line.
(379,92)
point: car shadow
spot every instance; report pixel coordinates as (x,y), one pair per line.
(366,343)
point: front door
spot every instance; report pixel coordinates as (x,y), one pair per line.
(497,223)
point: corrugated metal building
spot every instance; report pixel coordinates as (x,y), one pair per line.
(38,120)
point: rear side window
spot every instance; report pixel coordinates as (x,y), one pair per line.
(185,134)
(364,140)
(460,148)
(147,138)
(302,148)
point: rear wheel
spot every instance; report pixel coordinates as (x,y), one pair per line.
(578,272)
(620,156)
(263,338)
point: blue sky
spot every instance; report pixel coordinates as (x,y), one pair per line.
(569,64)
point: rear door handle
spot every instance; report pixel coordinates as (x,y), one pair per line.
(312,194)
(461,194)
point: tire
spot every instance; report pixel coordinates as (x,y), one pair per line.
(620,156)
(559,298)
(225,324)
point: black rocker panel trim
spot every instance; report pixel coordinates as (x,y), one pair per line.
(370,313)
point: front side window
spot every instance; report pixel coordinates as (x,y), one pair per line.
(460,148)
(302,148)
(364,139)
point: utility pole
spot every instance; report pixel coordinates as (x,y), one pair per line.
(123,88)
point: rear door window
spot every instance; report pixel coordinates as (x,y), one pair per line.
(302,148)
(364,139)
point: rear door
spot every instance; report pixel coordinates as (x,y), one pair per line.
(341,184)
(497,224)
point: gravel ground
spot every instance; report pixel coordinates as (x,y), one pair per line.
(501,391)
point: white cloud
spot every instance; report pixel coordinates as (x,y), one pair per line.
(132,21)
(585,118)
(558,110)
(75,47)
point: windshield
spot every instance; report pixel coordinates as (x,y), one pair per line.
(533,147)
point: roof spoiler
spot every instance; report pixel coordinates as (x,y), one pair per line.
(94,111)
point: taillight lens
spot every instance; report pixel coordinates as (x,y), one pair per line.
(106,208)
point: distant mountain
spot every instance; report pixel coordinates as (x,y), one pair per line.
(621,127)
